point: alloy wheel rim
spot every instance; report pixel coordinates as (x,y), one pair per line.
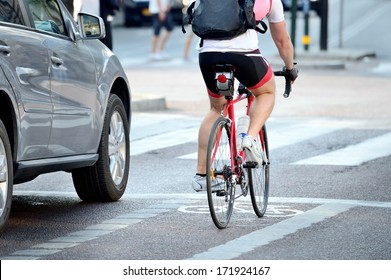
(3,177)
(117,148)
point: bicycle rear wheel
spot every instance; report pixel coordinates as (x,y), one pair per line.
(221,192)
(259,178)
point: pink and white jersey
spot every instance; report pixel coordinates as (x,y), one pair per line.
(262,8)
(248,41)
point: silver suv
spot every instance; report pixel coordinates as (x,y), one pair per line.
(64,102)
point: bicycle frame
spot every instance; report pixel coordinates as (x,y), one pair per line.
(229,108)
(229,112)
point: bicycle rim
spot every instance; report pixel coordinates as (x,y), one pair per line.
(259,179)
(218,168)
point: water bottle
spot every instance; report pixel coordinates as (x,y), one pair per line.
(241,130)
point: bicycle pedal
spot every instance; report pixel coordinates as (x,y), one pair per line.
(251,164)
(221,193)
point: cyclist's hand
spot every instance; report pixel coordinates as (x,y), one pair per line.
(293,73)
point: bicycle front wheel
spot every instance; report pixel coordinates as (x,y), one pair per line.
(259,178)
(221,192)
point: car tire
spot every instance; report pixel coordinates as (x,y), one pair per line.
(6,176)
(106,180)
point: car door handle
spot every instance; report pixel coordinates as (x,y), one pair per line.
(5,49)
(57,61)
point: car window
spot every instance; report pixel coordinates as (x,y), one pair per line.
(47,16)
(10,12)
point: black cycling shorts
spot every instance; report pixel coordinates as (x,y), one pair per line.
(251,68)
(157,25)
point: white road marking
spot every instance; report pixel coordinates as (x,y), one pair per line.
(303,131)
(157,131)
(328,208)
(354,155)
(91,232)
(163,140)
(184,198)
(298,132)
(245,207)
(382,69)
(246,243)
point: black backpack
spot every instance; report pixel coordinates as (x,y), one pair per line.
(222,19)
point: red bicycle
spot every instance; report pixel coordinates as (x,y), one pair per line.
(227,167)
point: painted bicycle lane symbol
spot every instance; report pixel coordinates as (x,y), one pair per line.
(275,211)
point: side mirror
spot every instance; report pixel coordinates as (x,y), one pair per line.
(91,27)
(73,33)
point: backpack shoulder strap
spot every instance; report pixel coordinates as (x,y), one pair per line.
(263,29)
(188,18)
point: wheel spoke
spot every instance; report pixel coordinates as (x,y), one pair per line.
(3,177)
(112,145)
(3,168)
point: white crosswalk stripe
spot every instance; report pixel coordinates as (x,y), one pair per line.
(354,154)
(295,133)
(383,67)
(157,131)
(161,141)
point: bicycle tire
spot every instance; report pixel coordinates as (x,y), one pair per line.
(259,178)
(218,169)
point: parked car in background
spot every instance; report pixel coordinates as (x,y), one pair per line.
(65,102)
(137,12)
(314,5)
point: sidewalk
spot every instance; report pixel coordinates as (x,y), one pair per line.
(335,59)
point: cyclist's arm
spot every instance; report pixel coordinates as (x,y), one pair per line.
(283,42)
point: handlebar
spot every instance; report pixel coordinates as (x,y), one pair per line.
(282,73)
(288,84)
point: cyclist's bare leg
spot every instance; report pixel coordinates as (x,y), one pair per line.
(262,106)
(216,105)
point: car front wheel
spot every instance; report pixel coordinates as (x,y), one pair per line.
(6,176)
(106,180)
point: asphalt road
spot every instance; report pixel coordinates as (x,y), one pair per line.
(330,177)
(332,210)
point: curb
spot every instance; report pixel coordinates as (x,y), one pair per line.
(146,102)
(311,64)
(336,54)
(333,59)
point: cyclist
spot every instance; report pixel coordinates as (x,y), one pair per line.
(252,70)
